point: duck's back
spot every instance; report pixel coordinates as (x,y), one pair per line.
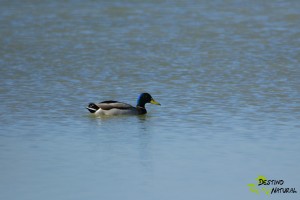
(115,108)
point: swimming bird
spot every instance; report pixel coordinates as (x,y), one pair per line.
(119,108)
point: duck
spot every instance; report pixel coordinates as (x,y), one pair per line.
(119,108)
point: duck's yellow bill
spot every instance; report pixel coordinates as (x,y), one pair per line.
(154,102)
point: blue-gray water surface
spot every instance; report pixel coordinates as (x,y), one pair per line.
(226,73)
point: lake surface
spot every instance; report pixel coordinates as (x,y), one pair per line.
(226,72)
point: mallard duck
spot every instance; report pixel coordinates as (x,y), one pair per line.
(119,108)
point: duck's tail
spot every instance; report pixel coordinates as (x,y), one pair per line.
(92,107)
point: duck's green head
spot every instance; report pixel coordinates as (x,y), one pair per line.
(146,98)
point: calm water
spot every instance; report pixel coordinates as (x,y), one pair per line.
(226,73)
